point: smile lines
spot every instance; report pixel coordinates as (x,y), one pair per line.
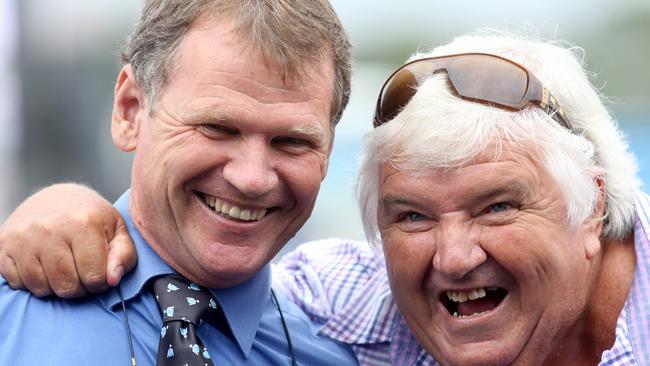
(244,214)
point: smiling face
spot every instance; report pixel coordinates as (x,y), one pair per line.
(480,260)
(228,167)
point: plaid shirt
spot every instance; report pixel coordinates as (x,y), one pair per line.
(343,285)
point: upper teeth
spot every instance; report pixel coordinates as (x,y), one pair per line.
(246,214)
(462,295)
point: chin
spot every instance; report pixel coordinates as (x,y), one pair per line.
(495,352)
(480,360)
(226,272)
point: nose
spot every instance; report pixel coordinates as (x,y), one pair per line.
(250,169)
(457,249)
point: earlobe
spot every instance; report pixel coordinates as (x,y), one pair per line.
(594,225)
(128,110)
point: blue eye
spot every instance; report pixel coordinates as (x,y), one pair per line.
(500,207)
(414,217)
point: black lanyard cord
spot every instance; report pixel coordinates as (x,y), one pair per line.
(286,329)
(126,324)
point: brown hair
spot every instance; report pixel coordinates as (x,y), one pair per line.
(290,33)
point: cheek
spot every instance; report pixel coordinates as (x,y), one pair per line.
(538,257)
(408,258)
(303,177)
(191,162)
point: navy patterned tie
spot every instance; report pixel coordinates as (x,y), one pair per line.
(184,306)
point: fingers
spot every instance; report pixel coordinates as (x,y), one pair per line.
(20,266)
(58,240)
(122,256)
(42,270)
(32,275)
(60,272)
(89,249)
(10,272)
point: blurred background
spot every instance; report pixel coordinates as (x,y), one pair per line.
(59,60)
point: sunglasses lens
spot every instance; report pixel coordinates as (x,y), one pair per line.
(396,94)
(400,88)
(484,78)
(489,79)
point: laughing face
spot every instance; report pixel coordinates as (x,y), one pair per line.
(228,167)
(481,262)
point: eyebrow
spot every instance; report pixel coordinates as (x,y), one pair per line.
(390,201)
(313,132)
(208,116)
(520,190)
(517,187)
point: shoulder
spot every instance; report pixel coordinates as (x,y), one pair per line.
(310,345)
(335,255)
(42,328)
(322,276)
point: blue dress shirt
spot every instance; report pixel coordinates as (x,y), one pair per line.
(91,331)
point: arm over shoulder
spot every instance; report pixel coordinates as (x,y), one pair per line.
(323,276)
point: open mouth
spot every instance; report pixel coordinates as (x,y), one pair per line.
(469,303)
(232,211)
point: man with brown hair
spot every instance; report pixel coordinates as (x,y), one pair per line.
(222,102)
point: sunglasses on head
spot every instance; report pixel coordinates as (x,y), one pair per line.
(477,77)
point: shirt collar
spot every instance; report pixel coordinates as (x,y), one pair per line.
(242,305)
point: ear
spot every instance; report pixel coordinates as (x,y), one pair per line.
(593,227)
(128,110)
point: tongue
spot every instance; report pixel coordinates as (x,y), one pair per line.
(471,307)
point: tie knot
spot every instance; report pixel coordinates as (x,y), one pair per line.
(180,299)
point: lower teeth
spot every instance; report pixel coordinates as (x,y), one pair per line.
(459,316)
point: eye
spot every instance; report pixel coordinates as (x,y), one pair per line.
(500,207)
(292,141)
(414,217)
(215,130)
(499,213)
(413,222)
(293,144)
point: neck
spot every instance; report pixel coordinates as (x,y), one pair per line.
(595,331)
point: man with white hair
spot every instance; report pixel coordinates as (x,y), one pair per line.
(508,208)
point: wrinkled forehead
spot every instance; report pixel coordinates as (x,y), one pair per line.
(496,152)
(510,171)
(419,154)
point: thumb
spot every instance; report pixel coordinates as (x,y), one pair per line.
(122,256)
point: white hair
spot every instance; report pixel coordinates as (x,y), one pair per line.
(439,130)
